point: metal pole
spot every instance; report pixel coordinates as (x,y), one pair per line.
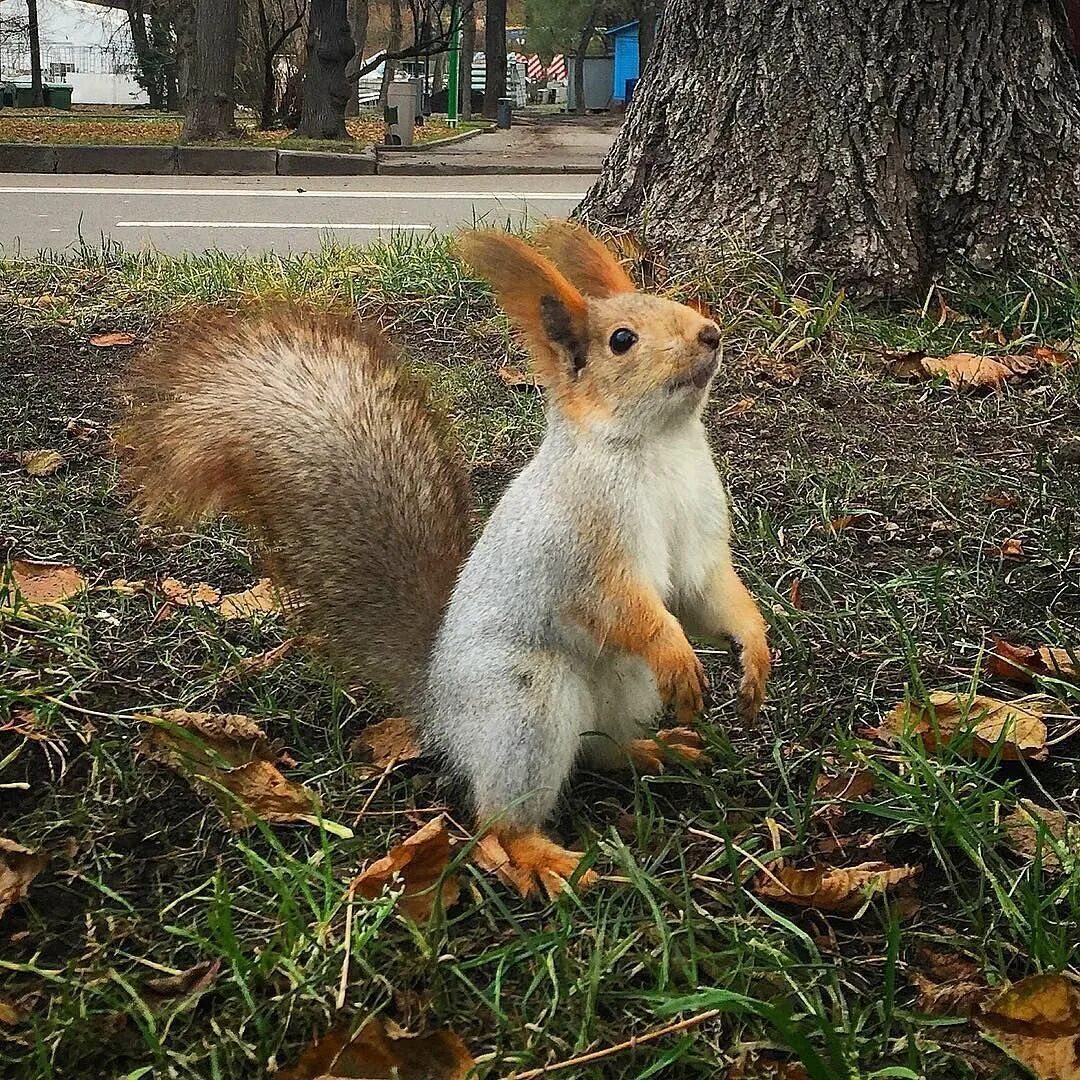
(455,63)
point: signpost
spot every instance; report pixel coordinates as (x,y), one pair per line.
(452,92)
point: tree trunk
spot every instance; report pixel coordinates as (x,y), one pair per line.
(648,10)
(150,68)
(184,26)
(579,59)
(37,91)
(494,56)
(211,110)
(326,92)
(358,23)
(875,142)
(468,51)
(163,41)
(393,44)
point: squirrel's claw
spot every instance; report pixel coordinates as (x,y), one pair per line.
(683,686)
(756,664)
(524,860)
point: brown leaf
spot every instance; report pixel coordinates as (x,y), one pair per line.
(82,429)
(259,599)
(1023,663)
(416,864)
(1032,830)
(1037,1023)
(840,889)
(957,997)
(41,462)
(387,742)
(795,593)
(184,985)
(111,339)
(10,1014)
(1019,727)
(229,751)
(18,868)
(1002,500)
(128,588)
(850,785)
(1007,549)
(381,1050)
(967,371)
(517,379)
(251,666)
(763,1065)
(45,583)
(180,595)
(847,521)
(1050,357)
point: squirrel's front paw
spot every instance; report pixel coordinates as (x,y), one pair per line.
(681,680)
(525,859)
(756,664)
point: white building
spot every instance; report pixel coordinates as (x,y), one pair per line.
(84,45)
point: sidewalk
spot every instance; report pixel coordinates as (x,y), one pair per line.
(547,144)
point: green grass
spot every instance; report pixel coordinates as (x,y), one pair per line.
(145,880)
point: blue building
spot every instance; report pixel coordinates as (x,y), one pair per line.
(624,43)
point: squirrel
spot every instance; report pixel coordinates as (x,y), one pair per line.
(557,636)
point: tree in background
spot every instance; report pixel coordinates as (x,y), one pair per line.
(468,51)
(358,24)
(155,51)
(646,12)
(326,89)
(211,108)
(569,26)
(37,91)
(393,48)
(879,143)
(278,20)
(494,56)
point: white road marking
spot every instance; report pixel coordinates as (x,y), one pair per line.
(278,193)
(388,227)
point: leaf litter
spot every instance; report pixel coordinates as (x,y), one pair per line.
(44,583)
(831,889)
(18,867)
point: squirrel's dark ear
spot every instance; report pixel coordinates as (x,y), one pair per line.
(538,299)
(585,261)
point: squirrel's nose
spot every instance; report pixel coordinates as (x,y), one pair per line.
(709,336)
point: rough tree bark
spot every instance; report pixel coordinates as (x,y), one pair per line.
(184,27)
(584,37)
(326,91)
(272,38)
(151,67)
(494,56)
(468,51)
(37,91)
(393,45)
(647,13)
(358,23)
(211,108)
(875,141)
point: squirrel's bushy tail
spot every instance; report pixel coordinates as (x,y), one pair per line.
(306,427)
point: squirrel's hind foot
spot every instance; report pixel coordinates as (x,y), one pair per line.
(526,859)
(679,744)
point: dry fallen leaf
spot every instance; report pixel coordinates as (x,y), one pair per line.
(251,666)
(1036,830)
(847,521)
(516,379)
(200,594)
(10,1014)
(45,583)
(1017,726)
(1007,549)
(230,751)
(1002,500)
(41,462)
(850,785)
(128,588)
(1037,1023)
(183,986)
(1023,663)
(956,997)
(795,593)
(259,599)
(968,371)
(416,864)
(840,889)
(763,1065)
(111,339)
(381,1050)
(18,868)
(387,742)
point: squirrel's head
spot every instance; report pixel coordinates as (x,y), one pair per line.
(606,353)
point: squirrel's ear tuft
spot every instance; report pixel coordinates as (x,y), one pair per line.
(585,261)
(538,299)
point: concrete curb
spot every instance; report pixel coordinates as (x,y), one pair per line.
(257,161)
(436,144)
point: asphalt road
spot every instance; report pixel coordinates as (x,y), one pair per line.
(272,213)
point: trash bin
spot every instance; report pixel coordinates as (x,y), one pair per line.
(400,113)
(58,95)
(24,97)
(505,115)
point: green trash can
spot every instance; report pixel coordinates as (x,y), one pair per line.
(24,97)
(58,95)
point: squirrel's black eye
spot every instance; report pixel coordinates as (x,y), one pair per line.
(623,340)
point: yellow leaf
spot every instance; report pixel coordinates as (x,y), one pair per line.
(1017,726)
(251,666)
(381,1049)
(517,379)
(180,595)
(259,599)
(417,863)
(41,462)
(840,889)
(45,583)
(387,742)
(18,868)
(1037,1023)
